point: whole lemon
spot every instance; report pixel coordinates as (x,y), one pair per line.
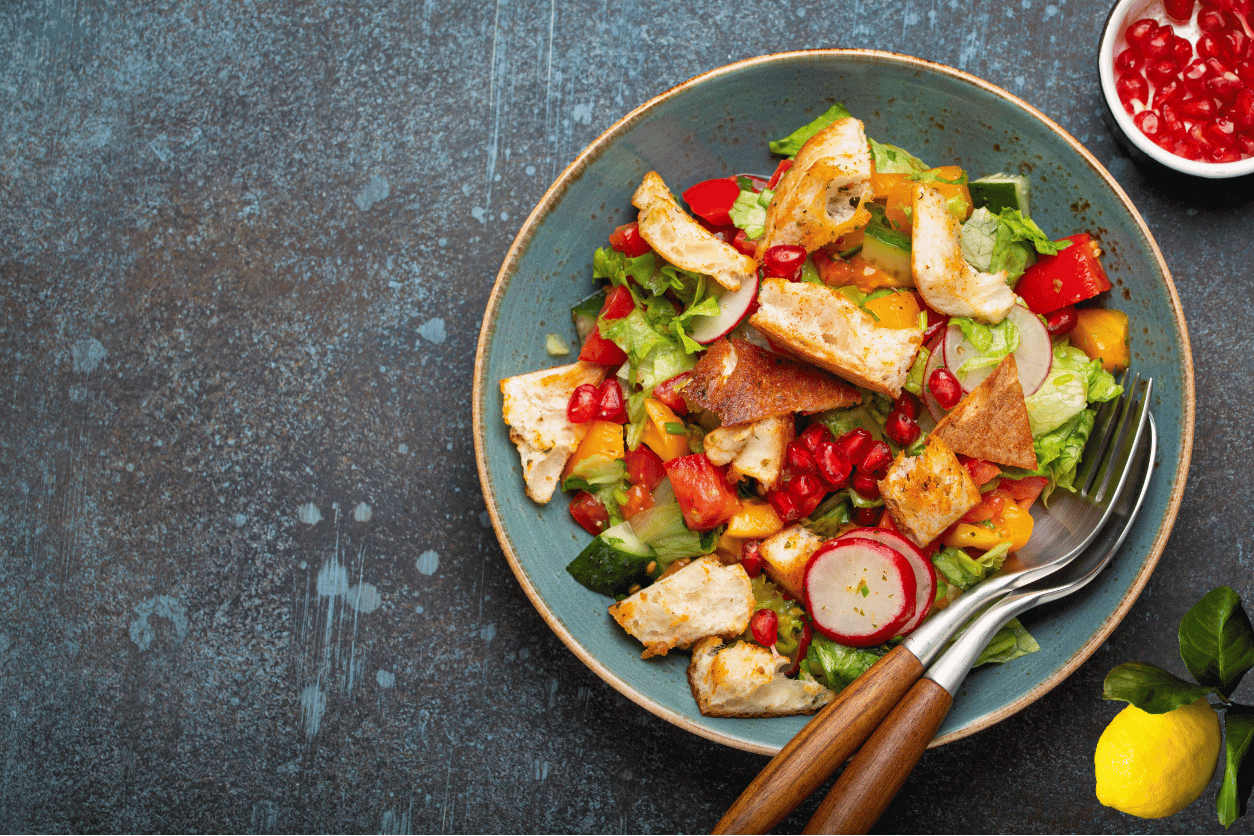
(1155,765)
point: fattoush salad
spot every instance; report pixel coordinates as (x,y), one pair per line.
(811,409)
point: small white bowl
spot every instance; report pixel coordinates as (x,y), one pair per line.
(1124,13)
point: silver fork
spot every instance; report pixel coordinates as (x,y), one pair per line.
(880,768)
(1059,534)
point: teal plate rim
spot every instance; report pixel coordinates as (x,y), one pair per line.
(1069,634)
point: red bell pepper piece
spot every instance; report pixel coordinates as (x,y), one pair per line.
(1071,276)
(628,240)
(588,511)
(667,394)
(713,199)
(705,499)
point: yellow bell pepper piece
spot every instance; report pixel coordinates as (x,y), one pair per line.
(894,310)
(604,438)
(1012,524)
(728,548)
(966,535)
(754,519)
(657,435)
(1102,334)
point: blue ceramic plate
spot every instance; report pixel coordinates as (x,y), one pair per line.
(719,124)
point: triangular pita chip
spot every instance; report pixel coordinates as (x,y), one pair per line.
(991,422)
(740,382)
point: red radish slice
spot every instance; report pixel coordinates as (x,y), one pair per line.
(859,592)
(733,307)
(924,571)
(1034,356)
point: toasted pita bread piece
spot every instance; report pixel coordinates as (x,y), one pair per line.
(682,241)
(747,680)
(740,382)
(991,422)
(927,493)
(945,280)
(824,194)
(752,449)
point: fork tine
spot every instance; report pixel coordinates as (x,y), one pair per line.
(1131,427)
(1105,425)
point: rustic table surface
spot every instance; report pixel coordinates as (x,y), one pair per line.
(248,578)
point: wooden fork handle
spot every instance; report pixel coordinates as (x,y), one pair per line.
(875,775)
(822,745)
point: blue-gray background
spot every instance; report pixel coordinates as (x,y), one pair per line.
(247,578)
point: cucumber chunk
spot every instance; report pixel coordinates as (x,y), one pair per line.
(1001,191)
(888,250)
(613,562)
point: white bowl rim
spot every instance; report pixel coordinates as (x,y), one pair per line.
(1106,69)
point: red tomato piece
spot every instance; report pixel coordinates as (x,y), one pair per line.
(744,245)
(589,513)
(618,303)
(627,240)
(713,199)
(987,508)
(638,499)
(668,393)
(982,472)
(644,467)
(705,499)
(780,169)
(1025,490)
(1071,276)
(597,349)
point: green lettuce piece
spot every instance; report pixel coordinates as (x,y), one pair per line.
(831,516)
(1011,642)
(662,529)
(889,159)
(791,144)
(1025,229)
(989,245)
(993,342)
(749,211)
(914,380)
(1074,381)
(836,665)
(958,568)
(1058,453)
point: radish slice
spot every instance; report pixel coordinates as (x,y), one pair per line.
(934,361)
(924,571)
(859,592)
(733,307)
(1034,356)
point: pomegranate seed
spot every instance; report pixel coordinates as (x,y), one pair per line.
(812,435)
(1245,70)
(907,405)
(583,404)
(867,516)
(834,469)
(612,406)
(1245,143)
(1140,30)
(854,444)
(877,459)
(1210,19)
(1223,155)
(1242,110)
(866,485)
(1225,87)
(901,428)
(1181,10)
(1181,51)
(1238,44)
(1161,71)
(945,388)
(1194,78)
(1062,321)
(1169,92)
(803,487)
(751,557)
(1213,45)
(765,627)
(1172,124)
(1128,61)
(1132,88)
(1197,108)
(1149,123)
(1158,45)
(798,459)
(785,506)
(784,261)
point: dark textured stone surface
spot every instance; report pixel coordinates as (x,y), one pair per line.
(248,579)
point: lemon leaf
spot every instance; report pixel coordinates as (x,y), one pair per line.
(1217,641)
(1238,774)
(1150,688)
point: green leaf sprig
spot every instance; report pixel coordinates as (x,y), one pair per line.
(1217,647)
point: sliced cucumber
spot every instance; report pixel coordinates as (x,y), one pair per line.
(613,562)
(1001,191)
(888,250)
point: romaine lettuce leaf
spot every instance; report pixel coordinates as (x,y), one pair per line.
(889,159)
(791,144)
(1074,381)
(993,342)
(990,245)
(1011,642)
(836,665)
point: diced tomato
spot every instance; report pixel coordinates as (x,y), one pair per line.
(705,499)
(618,303)
(981,471)
(1025,490)
(597,349)
(667,393)
(639,498)
(713,199)
(744,244)
(589,513)
(644,467)
(986,508)
(1071,276)
(628,240)
(780,169)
